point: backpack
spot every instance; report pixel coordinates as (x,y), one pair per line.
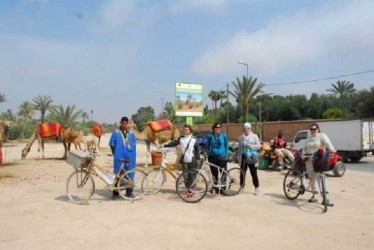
(321,161)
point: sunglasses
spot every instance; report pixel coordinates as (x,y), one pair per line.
(313,129)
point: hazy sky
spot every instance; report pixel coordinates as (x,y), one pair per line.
(114,57)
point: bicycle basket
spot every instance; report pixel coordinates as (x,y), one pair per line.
(321,161)
(79,159)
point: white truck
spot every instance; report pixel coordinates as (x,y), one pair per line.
(353,139)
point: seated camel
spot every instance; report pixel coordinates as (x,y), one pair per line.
(156,138)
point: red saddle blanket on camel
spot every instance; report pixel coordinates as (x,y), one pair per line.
(97,129)
(159,125)
(50,129)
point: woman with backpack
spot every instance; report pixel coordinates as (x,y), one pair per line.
(249,143)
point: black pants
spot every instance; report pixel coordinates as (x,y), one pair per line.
(221,162)
(244,166)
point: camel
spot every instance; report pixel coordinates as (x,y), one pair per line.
(71,136)
(91,140)
(4,131)
(149,137)
(4,137)
(96,130)
(67,135)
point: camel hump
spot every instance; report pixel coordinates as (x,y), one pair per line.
(50,129)
(97,129)
(157,126)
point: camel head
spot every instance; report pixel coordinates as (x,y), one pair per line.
(131,125)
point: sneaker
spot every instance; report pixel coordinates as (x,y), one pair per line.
(212,191)
(132,196)
(115,195)
(313,199)
(257,191)
(328,203)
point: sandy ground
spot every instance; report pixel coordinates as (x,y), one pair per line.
(35,212)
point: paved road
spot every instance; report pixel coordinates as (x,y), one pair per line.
(365,165)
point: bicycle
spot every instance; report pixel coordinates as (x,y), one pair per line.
(80,184)
(228,181)
(157,176)
(295,178)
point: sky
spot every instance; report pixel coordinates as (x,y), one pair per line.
(113,57)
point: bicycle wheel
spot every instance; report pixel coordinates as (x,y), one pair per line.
(133,184)
(292,184)
(232,185)
(191,186)
(156,179)
(323,190)
(80,186)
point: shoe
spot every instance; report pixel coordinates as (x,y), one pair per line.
(212,191)
(313,199)
(132,196)
(328,203)
(257,191)
(115,195)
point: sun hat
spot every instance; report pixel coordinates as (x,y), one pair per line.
(247,125)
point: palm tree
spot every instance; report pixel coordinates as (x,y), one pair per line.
(223,95)
(342,88)
(66,117)
(2,98)
(245,91)
(43,103)
(26,110)
(169,108)
(85,116)
(215,97)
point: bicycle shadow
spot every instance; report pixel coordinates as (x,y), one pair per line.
(300,203)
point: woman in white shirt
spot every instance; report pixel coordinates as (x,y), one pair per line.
(315,141)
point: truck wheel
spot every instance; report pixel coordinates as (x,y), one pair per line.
(339,169)
(355,159)
(344,156)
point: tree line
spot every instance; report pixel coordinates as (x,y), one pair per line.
(341,100)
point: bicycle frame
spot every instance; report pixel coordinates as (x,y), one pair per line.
(130,184)
(94,169)
(221,172)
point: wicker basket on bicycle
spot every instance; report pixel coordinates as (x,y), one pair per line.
(321,161)
(79,159)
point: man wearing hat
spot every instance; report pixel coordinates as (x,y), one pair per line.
(123,146)
(248,143)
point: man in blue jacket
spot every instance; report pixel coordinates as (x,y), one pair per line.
(123,146)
